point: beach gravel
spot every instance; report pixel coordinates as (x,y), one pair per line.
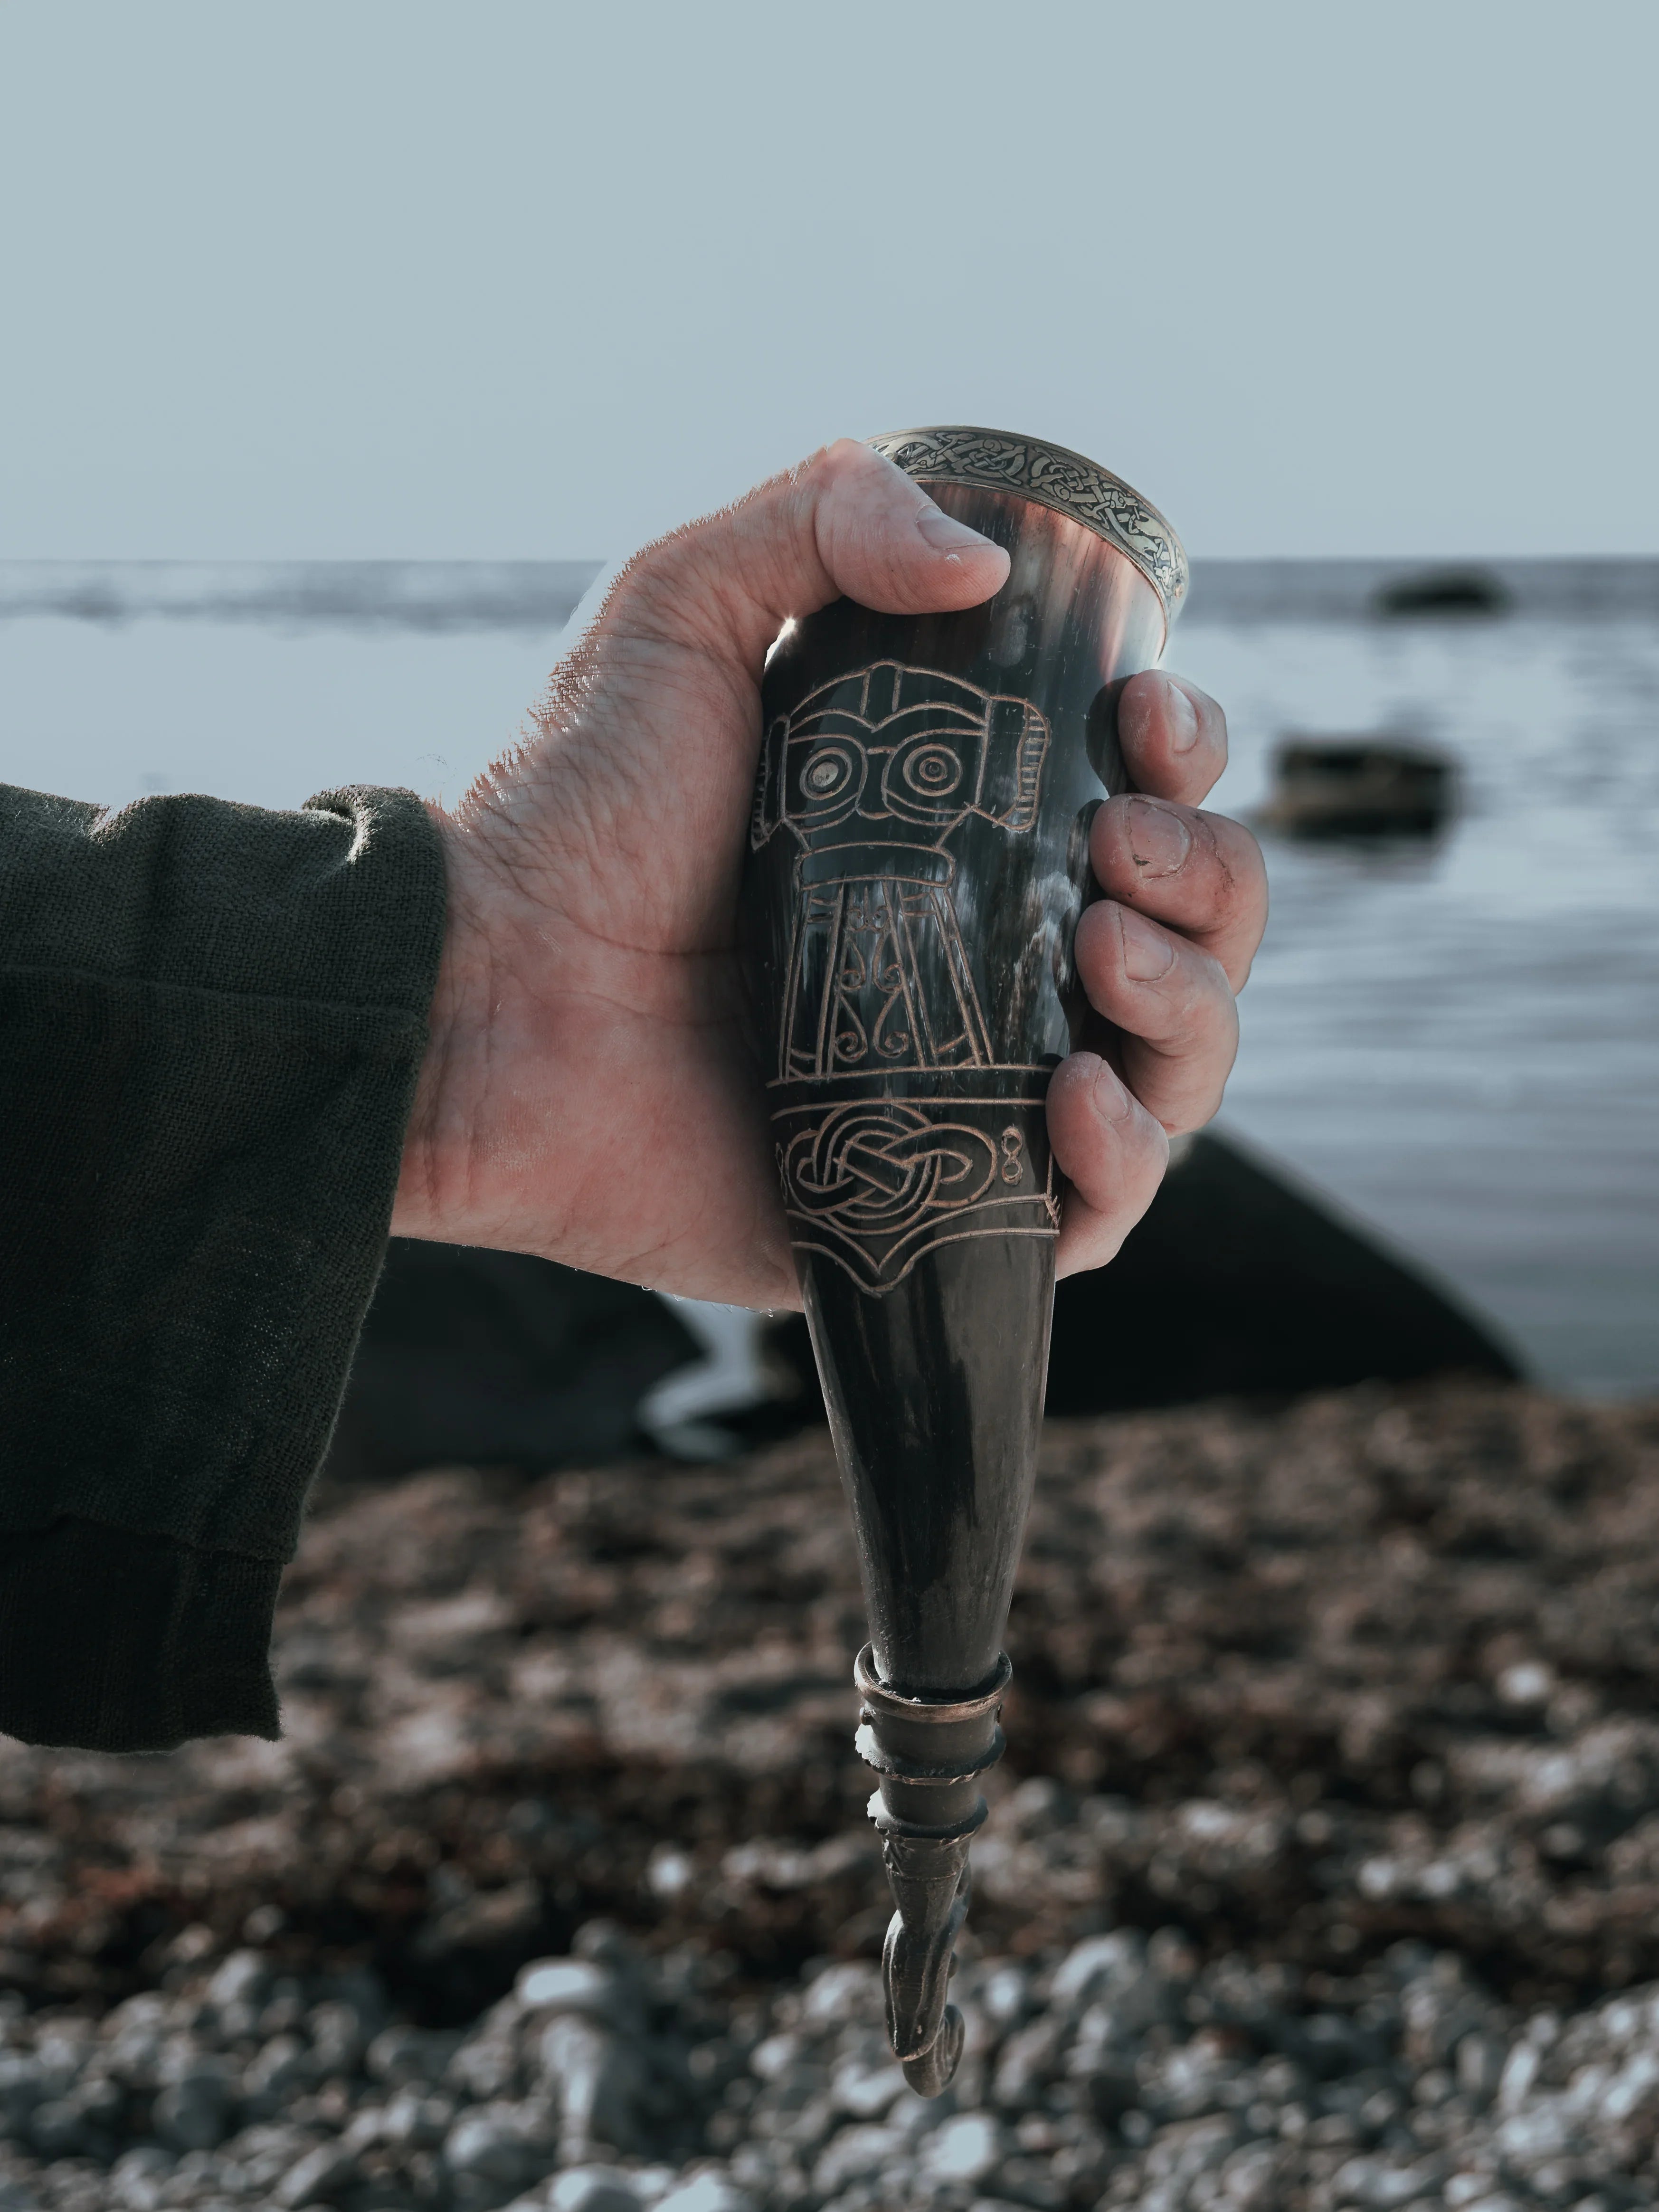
(1323,1872)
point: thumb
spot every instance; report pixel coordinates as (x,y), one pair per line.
(847,522)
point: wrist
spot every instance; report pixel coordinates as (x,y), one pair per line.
(437,1140)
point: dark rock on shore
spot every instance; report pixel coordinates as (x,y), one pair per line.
(1360,788)
(1444,591)
(498,1357)
(1277,1295)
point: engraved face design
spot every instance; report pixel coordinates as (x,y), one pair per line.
(917,776)
(902,747)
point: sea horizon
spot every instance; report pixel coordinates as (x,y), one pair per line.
(537,595)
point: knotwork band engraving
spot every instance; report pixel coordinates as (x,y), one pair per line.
(880,1167)
(875,1182)
(1053,477)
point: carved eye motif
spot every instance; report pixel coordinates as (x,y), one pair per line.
(933,771)
(826,774)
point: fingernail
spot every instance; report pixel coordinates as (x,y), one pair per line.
(1181,717)
(944,533)
(1159,841)
(1147,952)
(1109,1097)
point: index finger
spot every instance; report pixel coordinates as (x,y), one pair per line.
(1173,736)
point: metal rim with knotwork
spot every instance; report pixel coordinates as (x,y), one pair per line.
(1056,478)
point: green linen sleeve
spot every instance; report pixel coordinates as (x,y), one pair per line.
(211,1022)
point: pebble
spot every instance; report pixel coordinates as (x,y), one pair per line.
(317,2175)
(1122,2075)
(592,2189)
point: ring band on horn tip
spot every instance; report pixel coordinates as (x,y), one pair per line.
(946,1712)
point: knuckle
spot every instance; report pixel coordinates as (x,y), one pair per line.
(832,463)
(1200,1008)
(846,469)
(1196,988)
(1237,851)
(1094,943)
(1210,986)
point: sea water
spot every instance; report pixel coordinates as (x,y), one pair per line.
(1457,1042)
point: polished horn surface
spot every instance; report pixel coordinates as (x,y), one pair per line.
(918,861)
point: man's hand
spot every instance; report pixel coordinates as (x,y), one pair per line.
(587,1094)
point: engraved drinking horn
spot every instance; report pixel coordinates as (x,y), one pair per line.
(918,859)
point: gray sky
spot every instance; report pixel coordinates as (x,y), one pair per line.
(485,278)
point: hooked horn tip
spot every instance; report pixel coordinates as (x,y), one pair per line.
(932,2071)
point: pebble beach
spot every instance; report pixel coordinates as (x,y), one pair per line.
(1323,1870)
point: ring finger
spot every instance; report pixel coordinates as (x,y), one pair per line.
(1172,1004)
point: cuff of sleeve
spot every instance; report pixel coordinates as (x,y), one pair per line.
(113,1641)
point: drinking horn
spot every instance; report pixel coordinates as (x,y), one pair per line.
(918,861)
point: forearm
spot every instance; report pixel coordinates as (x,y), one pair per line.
(210,1024)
